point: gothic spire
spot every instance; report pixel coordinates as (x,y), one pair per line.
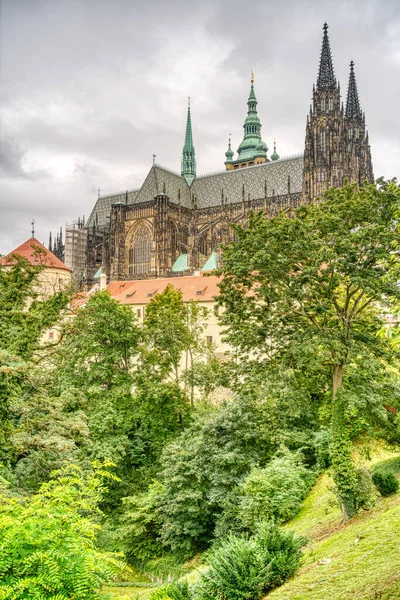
(326,75)
(252,145)
(188,154)
(353,108)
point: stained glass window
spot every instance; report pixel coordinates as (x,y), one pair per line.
(140,251)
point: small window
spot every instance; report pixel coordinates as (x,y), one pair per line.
(209,339)
(138,313)
(51,335)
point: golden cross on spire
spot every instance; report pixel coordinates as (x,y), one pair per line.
(252,76)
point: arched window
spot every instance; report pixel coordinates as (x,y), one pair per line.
(203,245)
(183,241)
(323,140)
(140,251)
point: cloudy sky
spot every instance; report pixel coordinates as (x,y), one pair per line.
(90,89)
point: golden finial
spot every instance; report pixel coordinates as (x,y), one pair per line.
(188,101)
(252,76)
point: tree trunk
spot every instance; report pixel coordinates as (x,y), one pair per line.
(337,381)
(342,461)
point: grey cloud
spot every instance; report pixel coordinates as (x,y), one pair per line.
(90,89)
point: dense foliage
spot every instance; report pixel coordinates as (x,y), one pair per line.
(210,453)
(311,293)
(386,483)
(47,541)
(245,568)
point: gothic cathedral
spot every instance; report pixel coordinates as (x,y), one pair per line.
(175,223)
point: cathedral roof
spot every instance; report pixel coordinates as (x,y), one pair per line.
(272,176)
(101,211)
(36,254)
(206,190)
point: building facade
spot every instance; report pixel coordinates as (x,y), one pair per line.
(175,223)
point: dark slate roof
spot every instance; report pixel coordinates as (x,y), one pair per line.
(102,208)
(207,189)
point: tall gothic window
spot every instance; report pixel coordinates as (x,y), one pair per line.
(203,245)
(330,101)
(323,103)
(140,251)
(323,140)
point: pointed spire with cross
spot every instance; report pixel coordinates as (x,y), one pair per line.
(353,108)
(188,170)
(326,75)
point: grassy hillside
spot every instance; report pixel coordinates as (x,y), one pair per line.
(363,555)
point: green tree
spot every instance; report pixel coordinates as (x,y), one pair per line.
(24,318)
(173,329)
(205,464)
(165,332)
(95,361)
(48,540)
(317,285)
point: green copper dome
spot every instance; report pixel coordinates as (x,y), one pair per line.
(274,155)
(252,144)
(229,153)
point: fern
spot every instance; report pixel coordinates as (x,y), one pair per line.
(47,541)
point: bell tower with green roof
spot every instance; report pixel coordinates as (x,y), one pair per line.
(188,168)
(252,149)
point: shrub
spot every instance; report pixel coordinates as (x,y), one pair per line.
(273,493)
(178,590)
(140,527)
(280,551)
(244,568)
(365,491)
(385,482)
(237,572)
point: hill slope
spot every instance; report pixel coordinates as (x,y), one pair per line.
(363,556)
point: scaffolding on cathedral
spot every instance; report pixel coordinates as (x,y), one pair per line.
(75,248)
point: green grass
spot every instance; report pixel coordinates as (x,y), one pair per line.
(364,553)
(131,593)
(366,570)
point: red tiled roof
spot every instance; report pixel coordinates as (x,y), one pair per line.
(28,251)
(142,291)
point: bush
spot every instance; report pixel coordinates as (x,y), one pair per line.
(273,493)
(280,552)
(245,568)
(178,590)
(140,527)
(386,483)
(237,572)
(365,491)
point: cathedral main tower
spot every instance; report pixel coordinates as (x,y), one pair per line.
(336,144)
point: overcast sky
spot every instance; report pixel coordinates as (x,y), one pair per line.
(90,89)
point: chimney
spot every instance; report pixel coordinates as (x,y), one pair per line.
(103,282)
